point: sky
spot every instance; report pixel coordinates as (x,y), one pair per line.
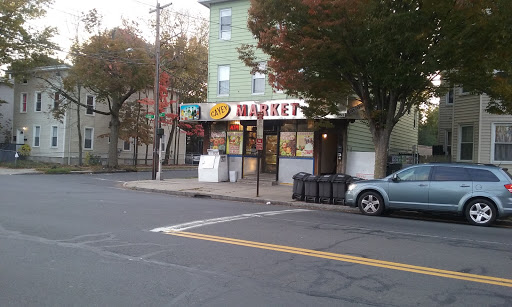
(63,14)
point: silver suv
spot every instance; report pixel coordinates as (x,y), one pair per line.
(480,192)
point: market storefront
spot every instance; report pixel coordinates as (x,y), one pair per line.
(290,142)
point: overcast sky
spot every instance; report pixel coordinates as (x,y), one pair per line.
(63,14)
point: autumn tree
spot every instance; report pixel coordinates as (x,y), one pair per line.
(185,60)
(114,64)
(18,40)
(135,126)
(385,53)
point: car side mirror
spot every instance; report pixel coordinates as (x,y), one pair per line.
(395,178)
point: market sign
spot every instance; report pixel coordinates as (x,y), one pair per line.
(271,110)
(219,111)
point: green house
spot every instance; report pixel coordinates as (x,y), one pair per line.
(287,140)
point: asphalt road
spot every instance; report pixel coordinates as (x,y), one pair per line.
(81,240)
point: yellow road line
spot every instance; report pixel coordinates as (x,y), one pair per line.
(352,259)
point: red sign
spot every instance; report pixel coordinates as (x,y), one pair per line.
(259,144)
(260,115)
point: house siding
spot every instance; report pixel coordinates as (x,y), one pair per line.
(222,52)
(466,112)
(6,111)
(486,126)
(445,121)
(405,134)
(68,145)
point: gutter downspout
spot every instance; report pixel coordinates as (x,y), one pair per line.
(479,151)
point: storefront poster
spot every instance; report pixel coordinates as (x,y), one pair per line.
(287,144)
(305,141)
(218,141)
(235,141)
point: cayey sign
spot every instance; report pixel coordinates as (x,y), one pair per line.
(219,111)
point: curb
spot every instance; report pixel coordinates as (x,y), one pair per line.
(296,204)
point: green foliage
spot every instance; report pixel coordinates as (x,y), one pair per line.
(25,150)
(185,55)
(114,64)
(17,39)
(92,160)
(427,129)
(385,53)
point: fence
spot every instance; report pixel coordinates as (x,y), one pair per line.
(7,152)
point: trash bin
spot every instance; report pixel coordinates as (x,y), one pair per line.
(298,185)
(325,189)
(339,188)
(311,189)
(233,176)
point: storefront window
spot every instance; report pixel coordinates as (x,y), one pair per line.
(235,141)
(290,126)
(305,141)
(218,141)
(287,144)
(250,145)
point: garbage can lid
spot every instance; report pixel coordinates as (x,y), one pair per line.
(341,178)
(301,175)
(311,178)
(325,178)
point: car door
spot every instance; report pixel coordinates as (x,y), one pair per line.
(447,187)
(410,188)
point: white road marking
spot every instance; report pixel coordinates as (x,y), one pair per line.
(195,224)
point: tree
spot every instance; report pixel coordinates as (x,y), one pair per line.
(135,126)
(427,129)
(385,53)
(185,55)
(17,39)
(114,64)
(185,59)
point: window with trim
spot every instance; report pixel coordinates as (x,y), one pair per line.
(126,145)
(88,138)
(54,135)
(225,24)
(56,100)
(466,143)
(449,97)
(90,105)
(23,103)
(37,136)
(258,80)
(501,142)
(223,80)
(38,102)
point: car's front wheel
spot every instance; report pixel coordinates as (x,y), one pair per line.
(480,212)
(371,203)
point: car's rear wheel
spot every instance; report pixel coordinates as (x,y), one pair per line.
(480,212)
(371,203)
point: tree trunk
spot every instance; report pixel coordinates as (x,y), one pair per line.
(381,139)
(114,135)
(169,142)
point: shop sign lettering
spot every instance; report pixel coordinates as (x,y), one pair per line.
(283,109)
(219,111)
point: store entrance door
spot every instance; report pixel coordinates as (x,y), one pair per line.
(270,154)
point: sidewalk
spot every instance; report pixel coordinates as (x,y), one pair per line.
(235,191)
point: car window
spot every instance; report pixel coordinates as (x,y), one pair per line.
(419,173)
(482,175)
(447,173)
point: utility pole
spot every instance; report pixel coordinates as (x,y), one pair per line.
(157,166)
